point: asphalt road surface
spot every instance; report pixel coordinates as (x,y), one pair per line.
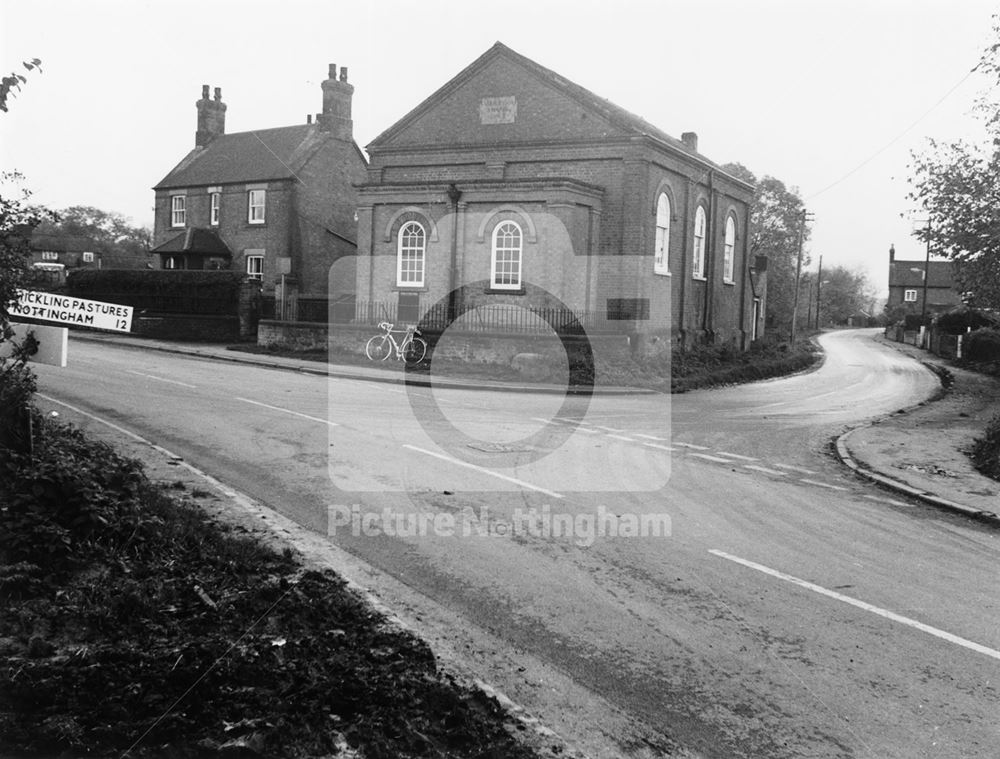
(699,563)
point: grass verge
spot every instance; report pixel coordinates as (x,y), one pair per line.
(132,624)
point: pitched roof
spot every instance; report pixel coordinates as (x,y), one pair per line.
(255,156)
(614,113)
(195,240)
(911,274)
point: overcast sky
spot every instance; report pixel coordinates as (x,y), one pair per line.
(830,96)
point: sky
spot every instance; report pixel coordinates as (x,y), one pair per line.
(829,96)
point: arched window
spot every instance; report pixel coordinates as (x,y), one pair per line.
(729,252)
(698,266)
(410,248)
(661,246)
(505,263)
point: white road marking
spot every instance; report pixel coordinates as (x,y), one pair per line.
(817,483)
(161,379)
(567,421)
(484,470)
(289,411)
(891,501)
(660,447)
(692,446)
(951,638)
(736,456)
(764,469)
(621,437)
(803,470)
(650,437)
(609,429)
(718,459)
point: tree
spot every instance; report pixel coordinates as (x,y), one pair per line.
(957,184)
(14,81)
(776,220)
(17,220)
(120,244)
(844,293)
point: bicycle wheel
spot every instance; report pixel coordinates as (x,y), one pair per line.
(378,348)
(415,351)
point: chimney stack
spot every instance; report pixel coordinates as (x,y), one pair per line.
(892,253)
(690,140)
(211,117)
(336,115)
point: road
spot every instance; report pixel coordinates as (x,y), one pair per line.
(791,611)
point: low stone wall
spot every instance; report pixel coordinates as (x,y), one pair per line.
(472,347)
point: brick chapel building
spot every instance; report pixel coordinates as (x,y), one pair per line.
(513,185)
(268,202)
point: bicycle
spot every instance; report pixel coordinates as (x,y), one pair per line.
(411,349)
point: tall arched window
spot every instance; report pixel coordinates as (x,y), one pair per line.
(729,252)
(505,263)
(410,249)
(661,246)
(698,267)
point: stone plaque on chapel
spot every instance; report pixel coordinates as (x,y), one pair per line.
(498,110)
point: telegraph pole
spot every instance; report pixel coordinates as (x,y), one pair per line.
(798,272)
(819,286)
(927,270)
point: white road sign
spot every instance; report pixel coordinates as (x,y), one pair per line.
(66,309)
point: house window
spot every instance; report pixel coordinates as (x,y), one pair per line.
(410,255)
(506,258)
(88,257)
(178,210)
(910,296)
(698,267)
(215,204)
(172,262)
(729,252)
(661,247)
(257,199)
(255,267)
(50,255)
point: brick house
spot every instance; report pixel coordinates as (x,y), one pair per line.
(268,202)
(511,185)
(906,285)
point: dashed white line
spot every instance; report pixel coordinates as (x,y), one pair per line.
(692,446)
(737,456)
(942,634)
(765,470)
(289,411)
(891,501)
(651,437)
(817,483)
(717,459)
(609,429)
(660,447)
(792,468)
(484,470)
(621,437)
(161,379)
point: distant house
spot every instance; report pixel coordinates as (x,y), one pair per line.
(269,202)
(907,285)
(53,256)
(513,186)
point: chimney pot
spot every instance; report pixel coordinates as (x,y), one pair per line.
(218,94)
(343,73)
(333,71)
(309,118)
(690,140)
(204,91)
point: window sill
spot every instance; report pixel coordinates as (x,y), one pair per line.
(699,279)
(729,282)
(409,288)
(663,273)
(504,291)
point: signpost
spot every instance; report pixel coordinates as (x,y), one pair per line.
(65,309)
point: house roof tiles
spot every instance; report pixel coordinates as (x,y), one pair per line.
(911,274)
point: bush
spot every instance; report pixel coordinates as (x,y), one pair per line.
(986,450)
(982,345)
(961,320)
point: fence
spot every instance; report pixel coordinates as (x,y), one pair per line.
(939,343)
(496,318)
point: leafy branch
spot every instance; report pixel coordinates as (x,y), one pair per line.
(14,81)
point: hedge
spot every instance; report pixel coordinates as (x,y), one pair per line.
(92,283)
(983,345)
